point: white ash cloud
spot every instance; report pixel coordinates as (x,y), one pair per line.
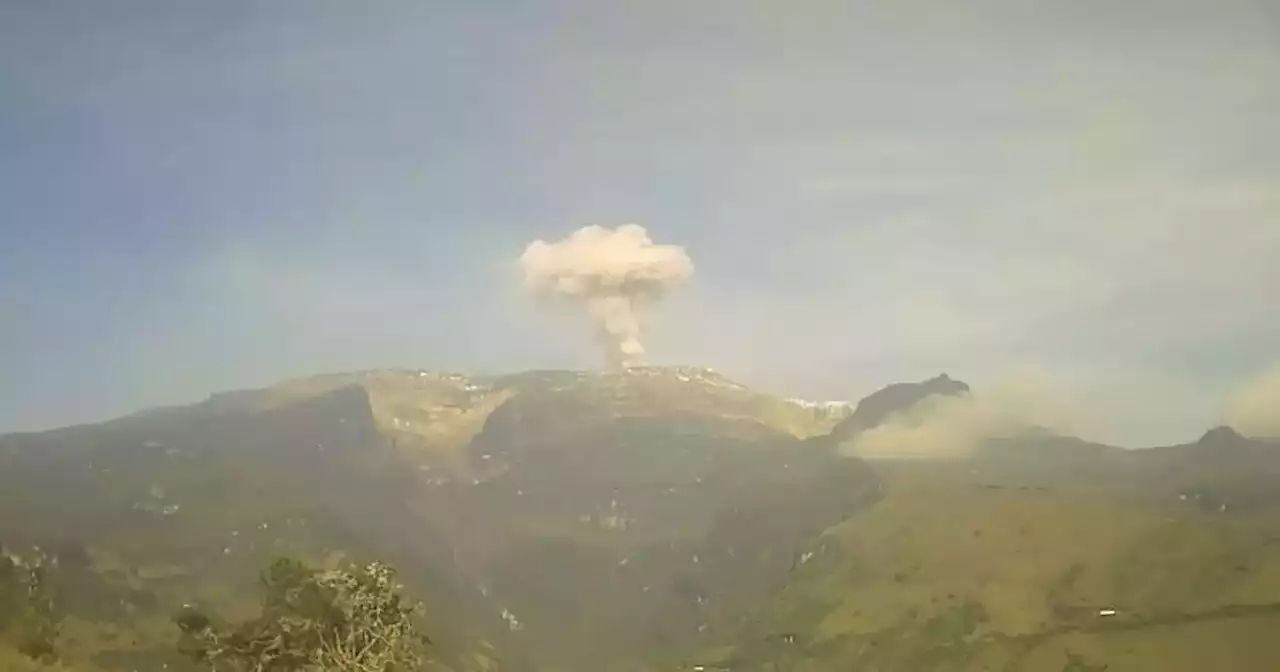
(1254,410)
(951,427)
(616,275)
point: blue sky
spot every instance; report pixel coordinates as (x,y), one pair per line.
(196,196)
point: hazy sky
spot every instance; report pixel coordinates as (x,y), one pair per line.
(197,195)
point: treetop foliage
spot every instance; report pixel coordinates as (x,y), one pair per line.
(353,619)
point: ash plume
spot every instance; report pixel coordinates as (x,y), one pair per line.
(616,275)
(952,427)
(1254,409)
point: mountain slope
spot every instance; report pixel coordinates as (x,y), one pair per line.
(187,505)
(596,500)
(656,518)
(553,514)
(879,406)
(1041,554)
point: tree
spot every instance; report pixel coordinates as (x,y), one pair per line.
(347,620)
(28,618)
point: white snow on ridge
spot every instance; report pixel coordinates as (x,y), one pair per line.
(827,405)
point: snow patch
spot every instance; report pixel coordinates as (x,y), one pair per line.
(824,405)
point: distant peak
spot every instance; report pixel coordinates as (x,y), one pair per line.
(1221,436)
(944,384)
(876,407)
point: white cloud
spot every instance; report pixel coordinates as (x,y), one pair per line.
(1139,297)
(947,427)
(1254,409)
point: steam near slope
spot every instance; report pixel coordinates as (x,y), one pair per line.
(948,427)
(1254,410)
(615,275)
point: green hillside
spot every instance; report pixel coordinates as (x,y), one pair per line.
(188,506)
(654,519)
(490,492)
(952,571)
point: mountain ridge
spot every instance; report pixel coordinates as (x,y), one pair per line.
(489,486)
(642,519)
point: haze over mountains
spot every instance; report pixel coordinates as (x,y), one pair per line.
(984,285)
(660,518)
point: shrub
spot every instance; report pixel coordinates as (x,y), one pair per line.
(347,620)
(28,618)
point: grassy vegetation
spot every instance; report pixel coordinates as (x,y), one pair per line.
(949,572)
(186,508)
(652,520)
(348,619)
(344,620)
